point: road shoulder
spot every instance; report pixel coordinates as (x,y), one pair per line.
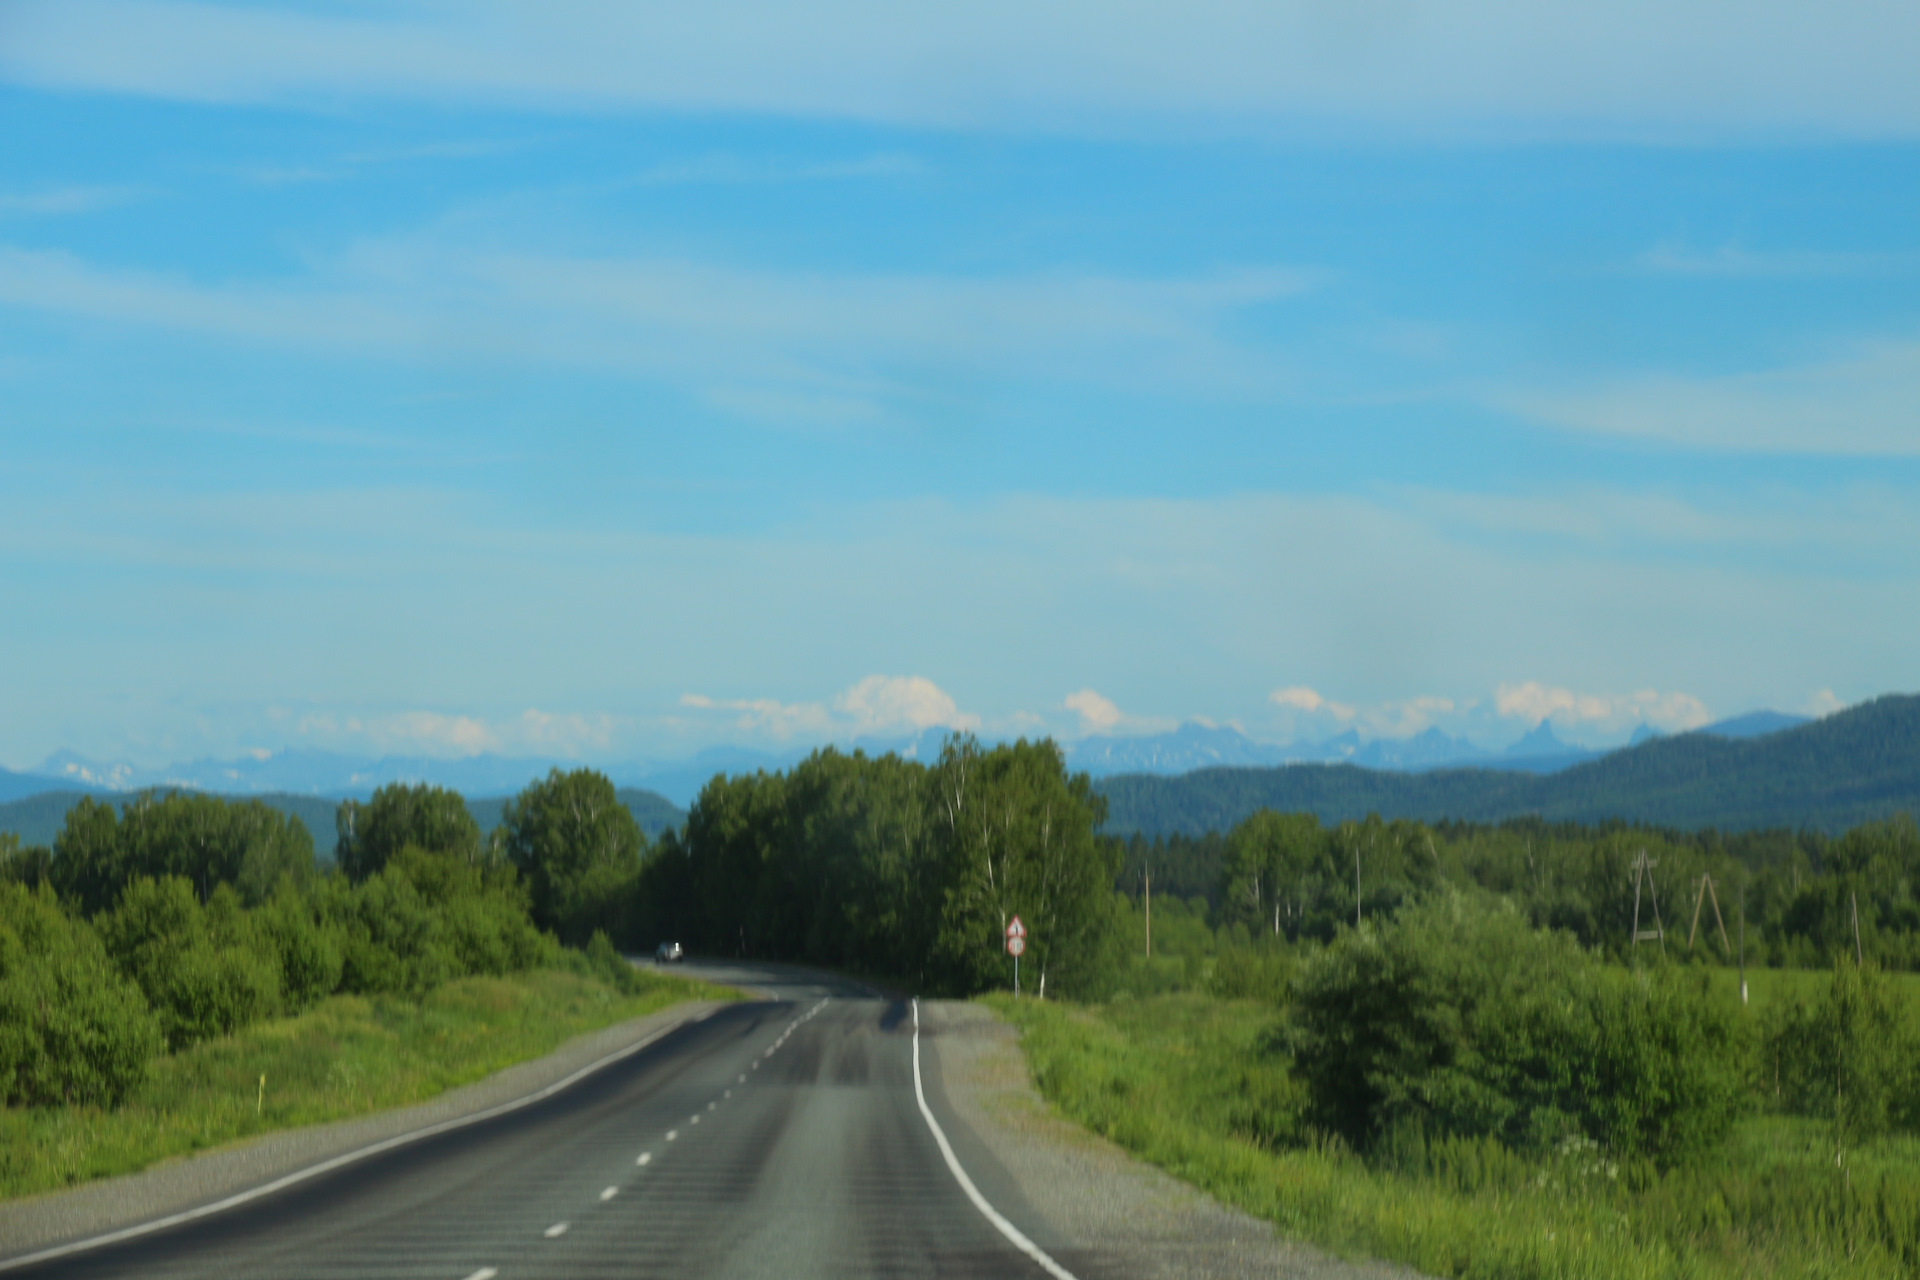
(1127,1217)
(174,1186)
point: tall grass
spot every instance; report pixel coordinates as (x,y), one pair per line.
(347,1056)
(1182,1081)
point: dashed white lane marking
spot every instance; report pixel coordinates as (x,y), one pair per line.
(557,1230)
(485,1273)
(609,1194)
(646,1157)
(727,1094)
(672,1134)
(339,1161)
(741,1080)
(714,1106)
(693,1119)
(1007,1229)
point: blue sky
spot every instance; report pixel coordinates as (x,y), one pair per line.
(612,381)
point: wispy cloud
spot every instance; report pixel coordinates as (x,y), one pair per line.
(810,346)
(733,170)
(438,733)
(1864,404)
(1098,715)
(876,704)
(1532,702)
(1503,68)
(1736,262)
(55,201)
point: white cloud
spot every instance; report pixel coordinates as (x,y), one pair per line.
(1533,702)
(1097,714)
(1864,404)
(767,717)
(882,703)
(1823,704)
(1301,698)
(874,705)
(1648,69)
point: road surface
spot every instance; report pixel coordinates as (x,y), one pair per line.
(783,1137)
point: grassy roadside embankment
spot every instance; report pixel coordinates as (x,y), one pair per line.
(347,1056)
(1184,1082)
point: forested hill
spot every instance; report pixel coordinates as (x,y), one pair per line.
(1852,767)
(37,819)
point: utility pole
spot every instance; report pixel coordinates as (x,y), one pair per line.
(1356,884)
(1147,872)
(1643,873)
(1854,898)
(1743,942)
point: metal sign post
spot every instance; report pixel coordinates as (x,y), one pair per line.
(1016,943)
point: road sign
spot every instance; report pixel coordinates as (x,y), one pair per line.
(1016,929)
(1016,946)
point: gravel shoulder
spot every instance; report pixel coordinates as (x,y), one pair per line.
(1099,1202)
(174,1186)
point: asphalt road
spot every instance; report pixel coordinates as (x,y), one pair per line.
(775,1138)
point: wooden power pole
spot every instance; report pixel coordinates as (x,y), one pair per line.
(1643,874)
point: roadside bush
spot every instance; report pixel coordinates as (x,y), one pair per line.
(1851,1056)
(394,938)
(73,1030)
(1248,973)
(204,970)
(308,946)
(607,964)
(1459,1020)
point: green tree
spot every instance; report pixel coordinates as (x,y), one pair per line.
(579,849)
(397,815)
(206,840)
(1267,869)
(73,1028)
(1016,837)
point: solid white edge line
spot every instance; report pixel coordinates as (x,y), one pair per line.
(987,1211)
(328,1166)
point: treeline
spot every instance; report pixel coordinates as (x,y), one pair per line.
(1794,897)
(184,917)
(895,867)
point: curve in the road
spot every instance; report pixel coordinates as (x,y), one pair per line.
(772,1139)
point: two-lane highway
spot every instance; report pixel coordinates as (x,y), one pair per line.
(779,1138)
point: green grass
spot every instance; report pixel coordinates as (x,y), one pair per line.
(348,1056)
(1181,1082)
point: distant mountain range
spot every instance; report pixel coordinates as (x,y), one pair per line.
(1764,770)
(312,782)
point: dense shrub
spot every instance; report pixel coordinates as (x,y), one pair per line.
(1851,1056)
(72,1029)
(1458,1019)
(205,970)
(307,945)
